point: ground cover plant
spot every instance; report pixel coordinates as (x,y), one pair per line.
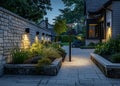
(110,50)
(39,53)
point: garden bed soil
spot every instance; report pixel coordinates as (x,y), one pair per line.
(32,69)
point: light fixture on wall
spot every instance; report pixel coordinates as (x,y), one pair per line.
(43,34)
(108,31)
(27,30)
(36,37)
(42,38)
(25,42)
(108,24)
(37,33)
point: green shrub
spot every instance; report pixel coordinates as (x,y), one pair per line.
(19,56)
(67,38)
(51,53)
(36,48)
(115,58)
(91,44)
(100,49)
(55,45)
(110,47)
(61,52)
(43,62)
(64,44)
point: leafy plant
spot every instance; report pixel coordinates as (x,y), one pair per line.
(36,48)
(30,9)
(61,52)
(73,11)
(67,38)
(91,44)
(58,48)
(50,53)
(115,58)
(110,47)
(55,45)
(19,56)
(44,61)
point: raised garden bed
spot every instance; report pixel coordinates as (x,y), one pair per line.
(109,69)
(32,69)
(63,57)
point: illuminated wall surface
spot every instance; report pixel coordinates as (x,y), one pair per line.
(108,28)
(37,39)
(12,33)
(108,33)
(25,43)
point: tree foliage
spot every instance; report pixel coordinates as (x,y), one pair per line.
(60,26)
(74,10)
(30,9)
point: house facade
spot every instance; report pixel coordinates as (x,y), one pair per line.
(102,20)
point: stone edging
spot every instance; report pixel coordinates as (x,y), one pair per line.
(32,69)
(108,68)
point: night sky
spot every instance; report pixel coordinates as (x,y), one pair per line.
(56,5)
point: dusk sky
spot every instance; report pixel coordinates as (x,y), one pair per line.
(56,5)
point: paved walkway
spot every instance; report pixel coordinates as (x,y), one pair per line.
(80,72)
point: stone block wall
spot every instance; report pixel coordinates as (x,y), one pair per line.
(12,31)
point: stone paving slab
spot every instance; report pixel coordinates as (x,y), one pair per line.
(81,71)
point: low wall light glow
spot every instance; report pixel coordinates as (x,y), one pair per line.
(109,33)
(25,44)
(36,39)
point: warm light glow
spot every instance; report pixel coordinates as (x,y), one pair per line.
(108,34)
(77,62)
(25,43)
(42,38)
(92,24)
(48,38)
(36,39)
(79,37)
(92,30)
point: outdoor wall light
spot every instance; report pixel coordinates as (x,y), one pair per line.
(27,30)
(108,24)
(42,37)
(37,33)
(43,34)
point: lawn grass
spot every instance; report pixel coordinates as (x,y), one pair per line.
(87,47)
(64,43)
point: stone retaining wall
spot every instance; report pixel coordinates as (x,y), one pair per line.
(33,69)
(12,33)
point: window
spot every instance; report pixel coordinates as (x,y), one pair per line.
(92,31)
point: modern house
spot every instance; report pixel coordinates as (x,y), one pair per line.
(102,20)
